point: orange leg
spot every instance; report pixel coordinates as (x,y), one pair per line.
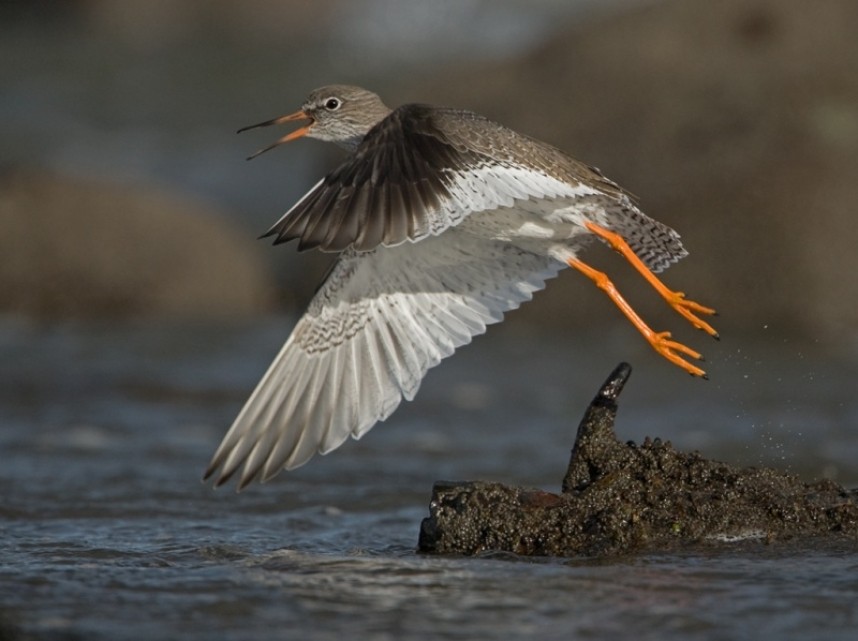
(676,300)
(660,341)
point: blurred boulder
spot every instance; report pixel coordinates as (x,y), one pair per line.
(736,122)
(75,248)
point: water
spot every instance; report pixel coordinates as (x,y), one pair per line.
(108,533)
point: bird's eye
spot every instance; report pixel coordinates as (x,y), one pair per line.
(332,104)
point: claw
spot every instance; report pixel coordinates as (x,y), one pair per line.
(668,349)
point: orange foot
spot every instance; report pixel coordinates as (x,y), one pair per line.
(677,300)
(660,341)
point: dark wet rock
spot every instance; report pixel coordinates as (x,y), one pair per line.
(619,498)
(84,249)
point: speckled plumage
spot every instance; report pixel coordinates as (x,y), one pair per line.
(445,221)
(402,183)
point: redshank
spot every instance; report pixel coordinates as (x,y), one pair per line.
(443,220)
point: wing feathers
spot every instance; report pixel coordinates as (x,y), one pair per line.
(408,168)
(372,331)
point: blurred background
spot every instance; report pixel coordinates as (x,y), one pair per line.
(125,192)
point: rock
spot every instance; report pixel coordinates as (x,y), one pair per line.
(86,250)
(620,498)
(734,122)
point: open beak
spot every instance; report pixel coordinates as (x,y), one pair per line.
(303,131)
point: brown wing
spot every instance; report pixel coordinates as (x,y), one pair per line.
(423,169)
(392,189)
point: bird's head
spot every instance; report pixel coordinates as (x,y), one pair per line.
(341,114)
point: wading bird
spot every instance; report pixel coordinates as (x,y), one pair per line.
(443,220)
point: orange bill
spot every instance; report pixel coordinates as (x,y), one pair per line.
(302,131)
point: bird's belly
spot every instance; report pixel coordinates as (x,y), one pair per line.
(527,221)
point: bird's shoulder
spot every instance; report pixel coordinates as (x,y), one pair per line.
(445,125)
(468,137)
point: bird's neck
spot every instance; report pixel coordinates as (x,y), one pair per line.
(350,144)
